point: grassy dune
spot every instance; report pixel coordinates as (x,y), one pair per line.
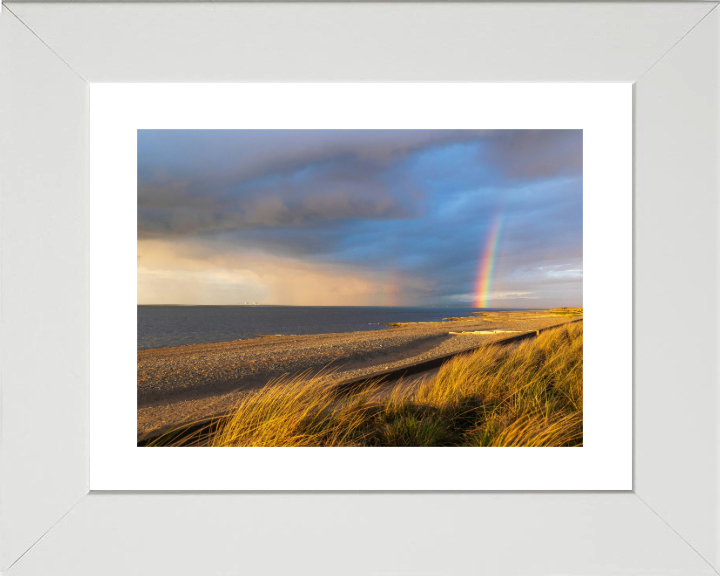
(566,312)
(530,394)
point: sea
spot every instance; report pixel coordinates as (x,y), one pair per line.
(163,326)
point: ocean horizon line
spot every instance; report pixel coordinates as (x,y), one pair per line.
(359,306)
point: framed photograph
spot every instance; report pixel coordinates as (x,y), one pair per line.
(348,234)
(262,277)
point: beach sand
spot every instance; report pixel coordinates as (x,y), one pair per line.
(187,383)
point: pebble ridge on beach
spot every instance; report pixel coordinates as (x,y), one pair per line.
(196,371)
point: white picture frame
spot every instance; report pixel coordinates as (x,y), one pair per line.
(49,523)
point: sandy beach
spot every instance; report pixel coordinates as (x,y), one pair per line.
(186,383)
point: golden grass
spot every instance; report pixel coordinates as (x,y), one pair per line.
(526,394)
(512,315)
(565,312)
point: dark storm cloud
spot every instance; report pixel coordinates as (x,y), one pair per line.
(537,153)
(277,204)
(334,189)
(204,181)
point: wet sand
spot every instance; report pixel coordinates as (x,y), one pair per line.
(186,383)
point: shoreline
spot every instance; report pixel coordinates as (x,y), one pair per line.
(186,383)
(154,332)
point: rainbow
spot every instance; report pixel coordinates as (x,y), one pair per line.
(487,264)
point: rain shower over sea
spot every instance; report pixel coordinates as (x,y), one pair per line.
(163,326)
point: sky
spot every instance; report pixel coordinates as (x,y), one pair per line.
(487,218)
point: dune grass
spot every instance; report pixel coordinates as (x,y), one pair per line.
(566,312)
(527,394)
